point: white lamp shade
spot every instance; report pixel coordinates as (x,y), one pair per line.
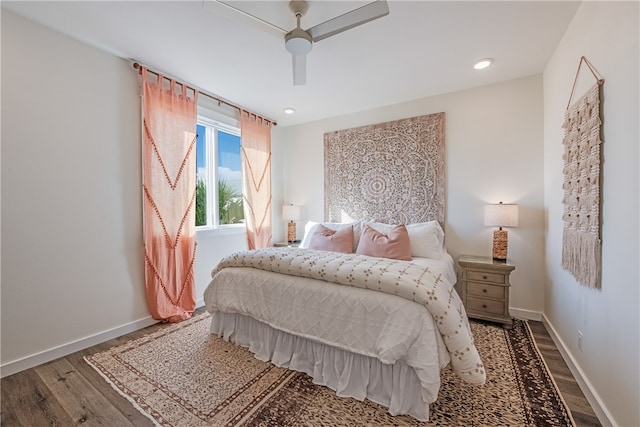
(291,212)
(501,215)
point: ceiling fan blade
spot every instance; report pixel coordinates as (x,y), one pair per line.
(362,15)
(228,9)
(299,63)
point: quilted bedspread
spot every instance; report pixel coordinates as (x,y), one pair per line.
(405,279)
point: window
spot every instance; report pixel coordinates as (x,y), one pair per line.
(218,168)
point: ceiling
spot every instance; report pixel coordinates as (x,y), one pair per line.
(420,49)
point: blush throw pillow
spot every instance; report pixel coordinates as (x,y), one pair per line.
(325,239)
(395,244)
(427,238)
(311,225)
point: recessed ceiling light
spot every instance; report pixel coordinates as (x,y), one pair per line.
(483,63)
(289,110)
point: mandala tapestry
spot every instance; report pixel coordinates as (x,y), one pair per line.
(389,172)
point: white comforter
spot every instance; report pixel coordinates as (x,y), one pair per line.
(386,327)
(412,282)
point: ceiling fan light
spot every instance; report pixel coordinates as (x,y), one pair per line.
(483,63)
(298,46)
(298,42)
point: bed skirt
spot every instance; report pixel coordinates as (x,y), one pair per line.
(349,374)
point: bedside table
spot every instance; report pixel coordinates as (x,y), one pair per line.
(485,288)
(286,244)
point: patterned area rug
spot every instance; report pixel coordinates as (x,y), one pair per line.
(181,375)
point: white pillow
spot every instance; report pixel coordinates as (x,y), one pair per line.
(308,231)
(427,238)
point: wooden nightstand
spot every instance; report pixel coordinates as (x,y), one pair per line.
(485,288)
(286,244)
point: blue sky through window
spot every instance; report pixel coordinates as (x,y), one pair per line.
(228,157)
(229,151)
(200,147)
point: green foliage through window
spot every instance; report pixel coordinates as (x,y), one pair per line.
(201,203)
(230,207)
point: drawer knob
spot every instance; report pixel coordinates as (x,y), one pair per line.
(484,305)
(484,290)
(484,277)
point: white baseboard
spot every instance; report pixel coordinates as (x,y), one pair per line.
(71,347)
(525,314)
(592,396)
(27,362)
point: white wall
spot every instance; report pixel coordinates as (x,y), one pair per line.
(493,153)
(607,34)
(72,255)
(71,206)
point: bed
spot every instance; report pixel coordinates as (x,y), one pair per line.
(365,326)
(370,321)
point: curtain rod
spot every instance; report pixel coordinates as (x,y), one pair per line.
(220,101)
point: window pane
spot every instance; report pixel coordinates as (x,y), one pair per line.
(230,207)
(201,176)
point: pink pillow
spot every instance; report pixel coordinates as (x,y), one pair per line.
(395,244)
(325,239)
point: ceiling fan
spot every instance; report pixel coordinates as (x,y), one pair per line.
(299,42)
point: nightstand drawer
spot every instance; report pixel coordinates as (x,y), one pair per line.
(484,290)
(482,275)
(485,305)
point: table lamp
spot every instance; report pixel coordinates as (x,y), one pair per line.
(500,215)
(291,213)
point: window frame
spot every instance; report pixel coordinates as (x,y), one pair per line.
(212,126)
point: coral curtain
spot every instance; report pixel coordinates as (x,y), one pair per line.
(169,191)
(256,179)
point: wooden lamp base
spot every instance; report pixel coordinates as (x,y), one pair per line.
(291,232)
(500,239)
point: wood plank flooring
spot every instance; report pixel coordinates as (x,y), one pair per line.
(68,392)
(580,408)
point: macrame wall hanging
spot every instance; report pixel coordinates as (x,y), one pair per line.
(581,242)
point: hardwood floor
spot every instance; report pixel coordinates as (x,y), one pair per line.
(581,411)
(68,392)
